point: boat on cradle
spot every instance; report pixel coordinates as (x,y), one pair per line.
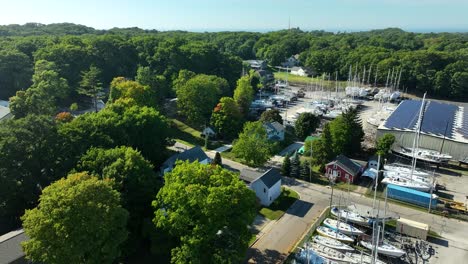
(403,182)
(330,253)
(408,176)
(328,232)
(419,155)
(331,243)
(403,169)
(350,216)
(344,228)
(432,154)
(306,256)
(362,258)
(384,249)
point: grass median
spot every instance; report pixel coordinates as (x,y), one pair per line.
(280,205)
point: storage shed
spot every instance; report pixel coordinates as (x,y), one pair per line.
(412,228)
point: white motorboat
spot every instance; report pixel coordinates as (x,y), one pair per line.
(384,249)
(308,255)
(328,232)
(362,258)
(344,228)
(403,182)
(332,243)
(403,169)
(331,253)
(349,216)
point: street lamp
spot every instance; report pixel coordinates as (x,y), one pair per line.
(331,196)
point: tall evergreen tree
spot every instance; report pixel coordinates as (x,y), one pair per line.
(286,167)
(295,166)
(91,85)
(217,159)
(305,170)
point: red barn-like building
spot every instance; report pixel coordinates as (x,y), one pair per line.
(343,169)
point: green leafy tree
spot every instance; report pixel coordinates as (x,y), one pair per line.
(197,97)
(306,124)
(253,145)
(157,83)
(15,72)
(133,177)
(209,209)
(286,166)
(384,144)
(141,94)
(319,153)
(244,94)
(217,159)
(31,158)
(91,85)
(271,115)
(75,217)
(227,118)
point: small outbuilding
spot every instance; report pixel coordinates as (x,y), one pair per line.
(5,112)
(265,184)
(412,228)
(300,71)
(343,169)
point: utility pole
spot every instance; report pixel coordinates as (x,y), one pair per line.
(331,196)
(310,163)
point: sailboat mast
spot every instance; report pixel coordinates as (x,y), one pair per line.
(376,72)
(416,136)
(388,76)
(399,78)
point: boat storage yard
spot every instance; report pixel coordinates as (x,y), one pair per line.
(444,127)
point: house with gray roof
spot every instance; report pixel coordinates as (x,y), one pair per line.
(10,247)
(275,130)
(194,154)
(265,184)
(343,169)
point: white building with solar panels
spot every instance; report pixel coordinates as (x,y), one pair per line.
(443,126)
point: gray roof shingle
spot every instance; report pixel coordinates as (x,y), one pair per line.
(191,155)
(10,246)
(269,177)
(347,164)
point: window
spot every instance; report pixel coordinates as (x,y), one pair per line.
(264,190)
(270,198)
(338,173)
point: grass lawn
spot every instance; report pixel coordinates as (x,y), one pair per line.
(185,134)
(280,205)
(252,239)
(344,186)
(305,80)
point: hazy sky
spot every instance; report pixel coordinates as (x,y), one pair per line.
(243,14)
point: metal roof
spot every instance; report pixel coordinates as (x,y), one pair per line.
(10,246)
(408,190)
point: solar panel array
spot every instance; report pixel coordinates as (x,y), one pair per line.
(405,116)
(464,128)
(437,116)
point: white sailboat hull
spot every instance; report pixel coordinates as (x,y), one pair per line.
(342,227)
(362,258)
(408,184)
(349,216)
(385,249)
(328,232)
(331,243)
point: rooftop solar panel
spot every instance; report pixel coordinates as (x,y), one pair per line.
(405,116)
(438,117)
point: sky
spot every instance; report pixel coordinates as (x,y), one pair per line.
(249,15)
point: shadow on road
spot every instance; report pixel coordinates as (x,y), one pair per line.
(267,256)
(300,208)
(438,241)
(227,167)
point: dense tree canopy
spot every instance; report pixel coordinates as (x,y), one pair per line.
(78,220)
(271,115)
(198,96)
(253,145)
(227,118)
(209,209)
(306,124)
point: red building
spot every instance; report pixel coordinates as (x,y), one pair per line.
(343,169)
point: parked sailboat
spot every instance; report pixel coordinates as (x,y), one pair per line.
(328,232)
(403,182)
(384,248)
(332,243)
(331,253)
(403,169)
(308,255)
(344,228)
(362,258)
(350,216)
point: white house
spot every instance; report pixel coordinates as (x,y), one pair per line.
(267,185)
(194,154)
(275,131)
(256,64)
(300,71)
(5,110)
(291,61)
